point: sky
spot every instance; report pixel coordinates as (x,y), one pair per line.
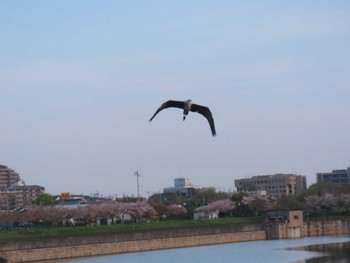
(79,81)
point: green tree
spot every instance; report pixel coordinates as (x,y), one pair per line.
(289,203)
(44,199)
(237,197)
(322,188)
(208,195)
(161,209)
(165,198)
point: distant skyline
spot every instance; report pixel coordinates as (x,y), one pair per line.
(80,80)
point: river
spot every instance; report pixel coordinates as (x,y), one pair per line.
(305,250)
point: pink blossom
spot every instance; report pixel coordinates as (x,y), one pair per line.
(139,210)
(328,200)
(221,206)
(313,201)
(177,210)
(345,199)
(259,204)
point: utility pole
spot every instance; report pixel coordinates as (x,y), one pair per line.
(138,186)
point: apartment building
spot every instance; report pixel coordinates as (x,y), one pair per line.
(14,193)
(341,176)
(276,185)
(19,196)
(8,176)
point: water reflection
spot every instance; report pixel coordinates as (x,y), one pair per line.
(332,253)
(304,250)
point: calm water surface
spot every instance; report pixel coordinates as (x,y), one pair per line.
(335,252)
(279,251)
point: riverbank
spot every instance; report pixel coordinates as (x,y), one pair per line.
(104,244)
(48,248)
(38,232)
(267,251)
(99,249)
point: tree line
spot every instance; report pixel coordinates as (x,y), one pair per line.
(320,198)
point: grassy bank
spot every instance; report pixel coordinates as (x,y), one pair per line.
(60,231)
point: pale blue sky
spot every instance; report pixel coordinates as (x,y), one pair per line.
(80,79)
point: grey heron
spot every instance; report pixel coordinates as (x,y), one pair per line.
(188,106)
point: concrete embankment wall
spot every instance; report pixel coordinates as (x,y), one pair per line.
(87,246)
(129,246)
(59,248)
(346,227)
(324,227)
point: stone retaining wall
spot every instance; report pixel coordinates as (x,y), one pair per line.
(325,227)
(68,241)
(127,246)
(87,246)
(346,227)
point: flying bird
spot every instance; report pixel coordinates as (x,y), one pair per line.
(188,106)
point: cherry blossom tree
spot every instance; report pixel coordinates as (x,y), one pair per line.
(71,216)
(328,201)
(177,210)
(139,210)
(52,215)
(8,218)
(345,201)
(112,209)
(34,214)
(221,206)
(259,204)
(88,213)
(317,203)
(314,202)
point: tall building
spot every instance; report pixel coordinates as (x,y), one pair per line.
(8,176)
(341,176)
(275,185)
(14,193)
(182,187)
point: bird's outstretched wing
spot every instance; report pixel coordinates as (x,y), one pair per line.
(168,104)
(205,111)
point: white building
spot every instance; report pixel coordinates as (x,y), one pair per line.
(202,213)
(182,186)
